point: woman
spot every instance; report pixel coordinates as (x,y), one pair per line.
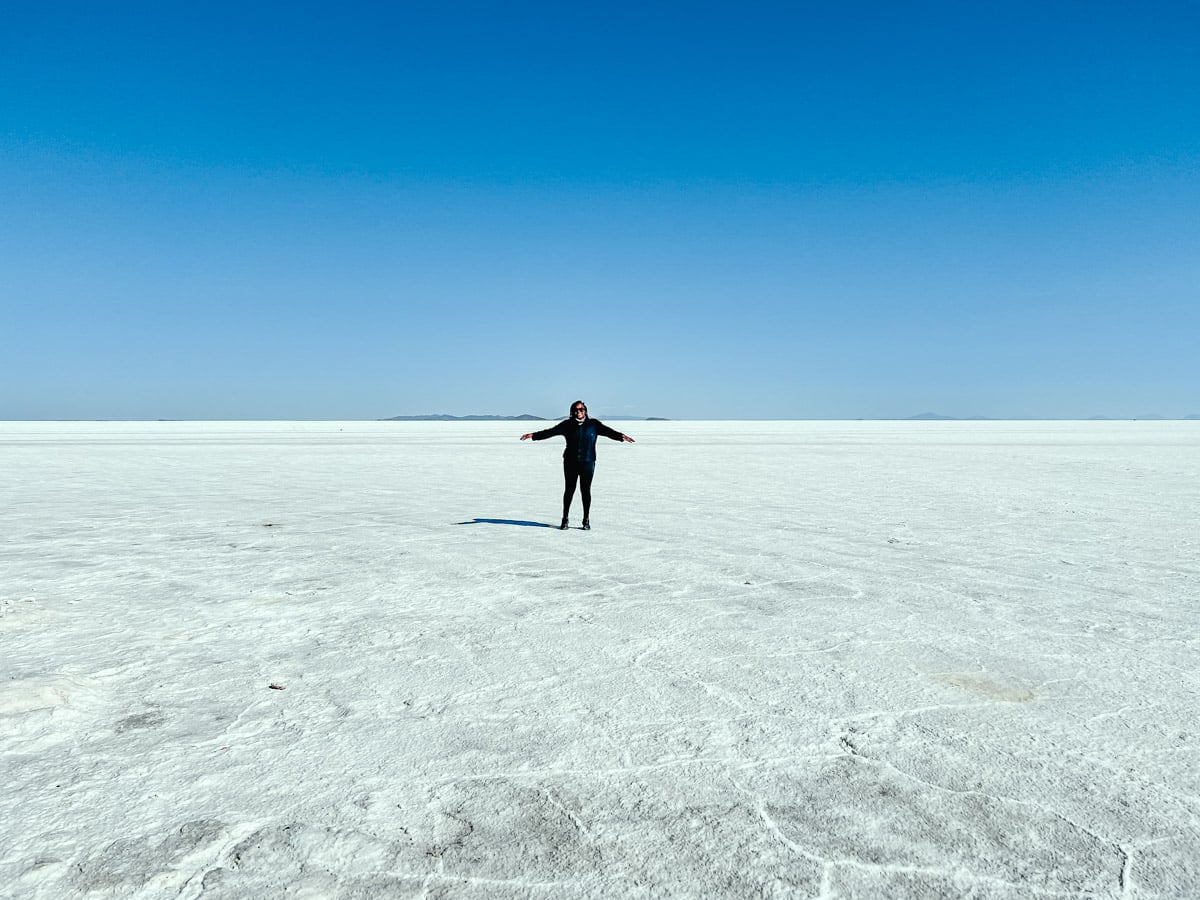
(579,458)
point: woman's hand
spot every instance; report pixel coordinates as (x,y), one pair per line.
(526,437)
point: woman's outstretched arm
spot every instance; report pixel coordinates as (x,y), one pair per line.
(546,433)
(612,433)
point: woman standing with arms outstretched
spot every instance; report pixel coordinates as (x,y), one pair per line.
(579,458)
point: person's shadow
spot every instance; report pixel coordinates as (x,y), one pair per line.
(524,524)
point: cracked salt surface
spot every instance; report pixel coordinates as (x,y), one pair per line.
(791,660)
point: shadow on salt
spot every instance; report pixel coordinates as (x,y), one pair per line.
(520,522)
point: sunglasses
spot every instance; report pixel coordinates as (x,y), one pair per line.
(579,409)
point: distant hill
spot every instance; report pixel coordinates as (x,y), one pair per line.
(929,417)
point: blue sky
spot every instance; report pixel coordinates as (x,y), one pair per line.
(701,210)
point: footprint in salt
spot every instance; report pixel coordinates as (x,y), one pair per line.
(140,721)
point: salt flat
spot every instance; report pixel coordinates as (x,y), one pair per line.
(792,660)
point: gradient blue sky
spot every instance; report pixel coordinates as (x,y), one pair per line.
(692,210)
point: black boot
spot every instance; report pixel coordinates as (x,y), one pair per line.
(587,526)
(563,526)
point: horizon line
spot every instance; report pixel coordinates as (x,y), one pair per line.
(515,420)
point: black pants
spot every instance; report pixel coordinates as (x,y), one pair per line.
(582,472)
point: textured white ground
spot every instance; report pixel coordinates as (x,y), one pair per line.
(790,660)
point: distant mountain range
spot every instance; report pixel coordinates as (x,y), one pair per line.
(442,417)
(524,417)
(918,418)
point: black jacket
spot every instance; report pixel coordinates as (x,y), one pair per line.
(581,437)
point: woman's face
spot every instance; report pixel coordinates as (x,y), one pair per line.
(579,412)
